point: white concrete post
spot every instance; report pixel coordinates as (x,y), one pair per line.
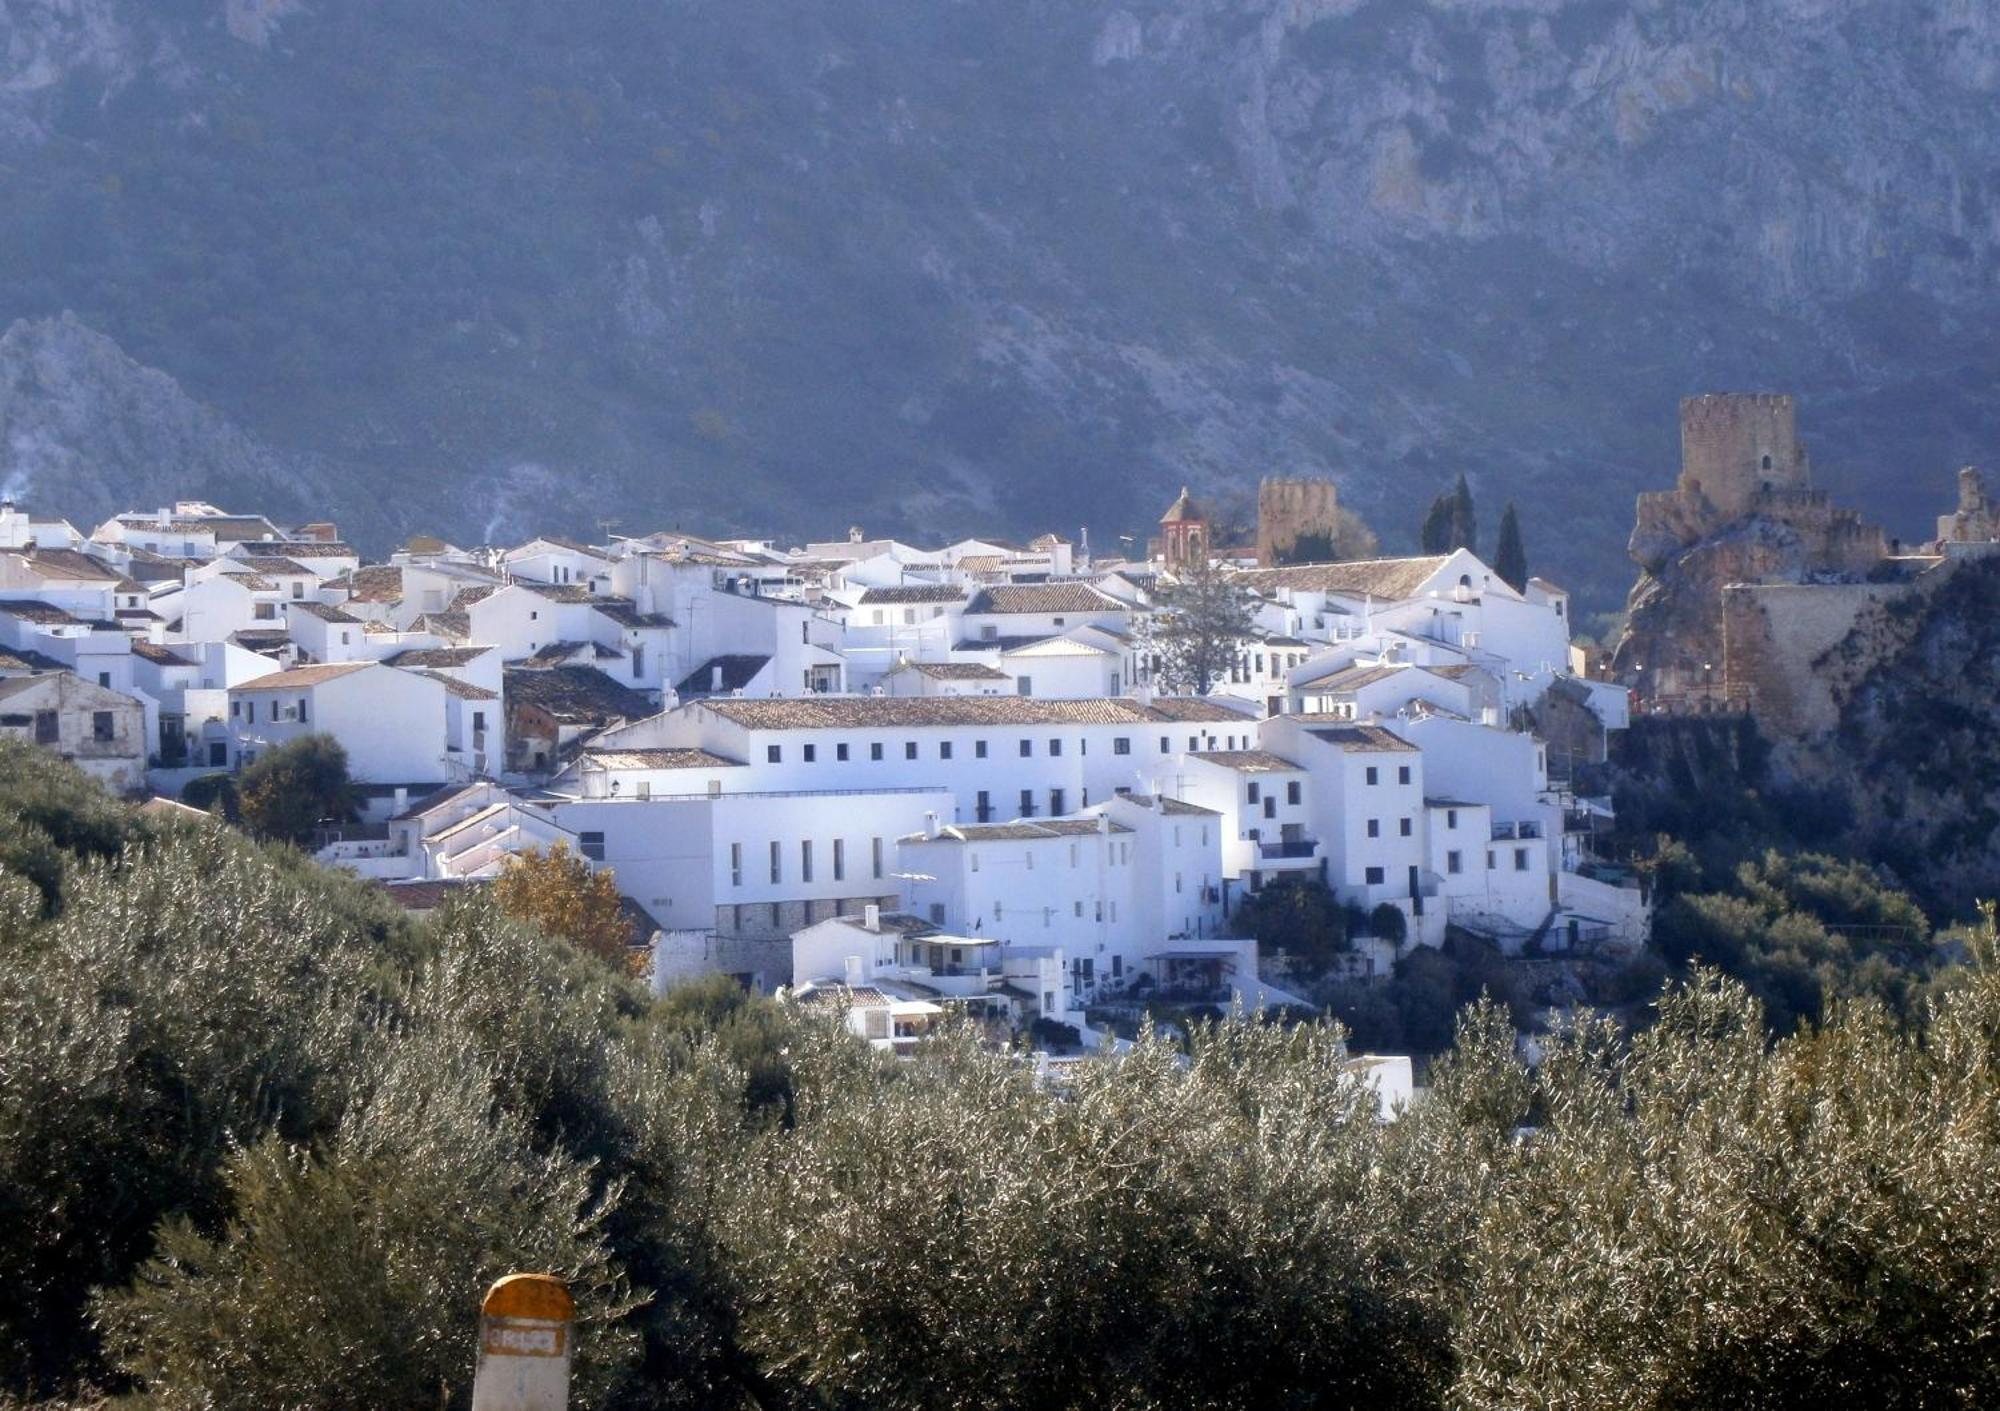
(527,1324)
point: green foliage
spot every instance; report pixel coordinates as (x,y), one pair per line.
(1388,922)
(267,1139)
(1302,919)
(1510,556)
(1451,522)
(1203,617)
(213,793)
(288,791)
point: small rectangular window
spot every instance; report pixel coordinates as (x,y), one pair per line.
(944,749)
(1404,827)
(1454,863)
(875,750)
(1121,744)
(1292,791)
(875,856)
(591,845)
(1166,745)
(805,860)
(1374,876)
(1520,859)
(840,754)
(774,754)
(1374,827)
(102,725)
(736,864)
(909,749)
(1451,818)
(839,860)
(777,863)
(1055,748)
(1252,792)
(1027,748)
(1373,775)
(979,749)
(811,753)
(1402,774)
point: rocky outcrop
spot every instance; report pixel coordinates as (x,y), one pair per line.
(88,432)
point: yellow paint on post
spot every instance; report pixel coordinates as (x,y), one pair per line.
(527,1327)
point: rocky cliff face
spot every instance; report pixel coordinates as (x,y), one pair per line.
(1036,262)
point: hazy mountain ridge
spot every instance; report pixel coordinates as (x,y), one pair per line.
(931,266)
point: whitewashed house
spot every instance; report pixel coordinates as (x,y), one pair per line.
(100,731)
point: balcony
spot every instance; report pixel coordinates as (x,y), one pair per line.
(1527,828)
(1289,849)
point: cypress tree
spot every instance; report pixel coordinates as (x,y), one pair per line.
(1464,518)
(1435,536)
(1510,558)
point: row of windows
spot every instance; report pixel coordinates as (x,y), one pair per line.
(1120,745)
(246,711)
(1118,855)
(1454,861)
(1374,775)
(1404,827)
(837,856)
(1294,792)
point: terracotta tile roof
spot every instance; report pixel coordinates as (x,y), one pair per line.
(452,626)
(430,802)
(1043,597)
(34,610)
(261,639)
(1170,806)
(575,694)
(69,565)
(300,548)
(271,563)
(436,656)
(894,712)
(1196,710)
(255,582)
(625,613)
(612,758)
(1364,739)
(1248,761)
(325,612)
(738,670)
(1352,678)
(430,895)
(554,654)
(28,659)
(954,670)
(555,592)
(913,593)
(157,654)
(376,583)
(466,597)
(1391,579)
(301,676)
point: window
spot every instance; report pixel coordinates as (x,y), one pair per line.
(263,612)
(774,754)
(909,749)
(1372,776)
(878,617)
(1454,862)
(302,710)
(1490,864)
(875,750)
(875,856)
(1374,827)
(638,661)
(983,809)
(979,749)
(1292,791)
(1024,685)
(805,860)
(1373,876)
(1403,827)
(104,679)
(1122,745)
(839,860)
(1251,792)
(1402,774)
(1027,748)
(1166,746)
(1451,818)
(1076,909)
(971,861)
(944,749)
(1027,803)
(591,845)
(777,864)
(811,753)
(1055,803)
(736,864)
(102,725)
(250,711)
(840,754)
(1520,859)
(937,913)
(1055,748)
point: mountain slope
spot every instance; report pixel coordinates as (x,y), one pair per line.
(928,264)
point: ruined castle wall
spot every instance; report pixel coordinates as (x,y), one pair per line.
(1735,446)
(1289,508)
(1775,638)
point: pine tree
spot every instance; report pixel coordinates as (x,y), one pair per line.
(1203,618)
(1510,558)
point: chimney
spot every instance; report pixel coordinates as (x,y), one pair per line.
(715,678)
(871,916)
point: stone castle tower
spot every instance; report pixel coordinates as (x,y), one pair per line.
(1289,509)
(1738,447)
(1977,519)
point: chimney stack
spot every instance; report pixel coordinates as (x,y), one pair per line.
(871,916)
